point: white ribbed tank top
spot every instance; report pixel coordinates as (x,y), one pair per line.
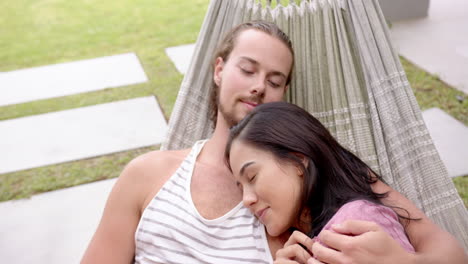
(172,231)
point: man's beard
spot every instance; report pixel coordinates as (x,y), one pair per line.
(228,116)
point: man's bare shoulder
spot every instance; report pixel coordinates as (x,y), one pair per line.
(157,162)
(145,175)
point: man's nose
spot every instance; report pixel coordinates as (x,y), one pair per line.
(258,87)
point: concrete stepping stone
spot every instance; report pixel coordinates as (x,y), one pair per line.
(53,227)
(450,139)
(80,133)
(70,78)
(181,56)
(439,42)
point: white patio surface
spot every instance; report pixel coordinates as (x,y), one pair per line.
(54,227)
(80,133)
(181,56)
(70,78)
(450,137)
(437,43)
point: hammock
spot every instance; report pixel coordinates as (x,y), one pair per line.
(349,77)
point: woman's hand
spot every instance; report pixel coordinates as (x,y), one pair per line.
(296,250)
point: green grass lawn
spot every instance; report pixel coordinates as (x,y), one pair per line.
(42,32)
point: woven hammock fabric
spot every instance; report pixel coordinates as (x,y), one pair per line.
(348,76)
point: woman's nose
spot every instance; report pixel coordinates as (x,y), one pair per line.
(249,198)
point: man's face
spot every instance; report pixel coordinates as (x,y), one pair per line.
(255,73)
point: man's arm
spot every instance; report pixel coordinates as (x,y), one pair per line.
(113,241)
(432,244)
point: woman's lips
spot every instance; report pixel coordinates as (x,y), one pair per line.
(261,214)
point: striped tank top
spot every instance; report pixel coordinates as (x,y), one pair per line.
(172,231)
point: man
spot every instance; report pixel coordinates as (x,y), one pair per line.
(184,206)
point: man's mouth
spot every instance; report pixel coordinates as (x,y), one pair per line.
(250,104)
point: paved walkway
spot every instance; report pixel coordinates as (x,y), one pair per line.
(181,56)
(80,133)
(54,227)
(68,78)
(450,137)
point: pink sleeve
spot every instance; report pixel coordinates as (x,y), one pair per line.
(379,214)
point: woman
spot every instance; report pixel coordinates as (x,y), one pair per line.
(296,176)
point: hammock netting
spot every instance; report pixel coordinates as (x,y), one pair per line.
(346,74)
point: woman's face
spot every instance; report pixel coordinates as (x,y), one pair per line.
(271,190)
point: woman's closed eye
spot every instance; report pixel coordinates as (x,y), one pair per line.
(251,178)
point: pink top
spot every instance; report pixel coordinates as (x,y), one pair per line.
(384,216)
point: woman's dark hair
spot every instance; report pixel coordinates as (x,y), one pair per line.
(333,175)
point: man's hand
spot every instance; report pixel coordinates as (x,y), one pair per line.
(362,242)
(295,250)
